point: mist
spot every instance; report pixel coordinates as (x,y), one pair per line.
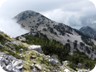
(75,13)
(11,28)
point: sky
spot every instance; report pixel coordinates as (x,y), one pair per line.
(75,13)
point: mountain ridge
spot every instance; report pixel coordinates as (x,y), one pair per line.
(49,47)
(76,40)
(88,31)
(17,56)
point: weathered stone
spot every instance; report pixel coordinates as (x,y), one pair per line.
(36,48)
(10,63)
(38,66)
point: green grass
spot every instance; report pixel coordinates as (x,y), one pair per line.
(49,47)
(83,59)
(53,47)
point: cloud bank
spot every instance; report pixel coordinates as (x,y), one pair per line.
(75,13)
(11,28)
(2,2)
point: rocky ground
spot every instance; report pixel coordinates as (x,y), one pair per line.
(16,56)
(48,47)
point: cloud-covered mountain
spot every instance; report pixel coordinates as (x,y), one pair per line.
(48,46)
(17,56)
(60,11)
(44,28)
(75,14)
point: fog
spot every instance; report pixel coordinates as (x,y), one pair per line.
(10,27)
(75,13)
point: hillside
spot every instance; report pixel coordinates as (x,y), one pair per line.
(17,56)
(48,47)
(72,45)
(88,31)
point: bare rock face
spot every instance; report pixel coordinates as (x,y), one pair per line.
(88,31)
(36,47)
(76,43)
(16,56)
(37,23)
(10,63)
(46,47)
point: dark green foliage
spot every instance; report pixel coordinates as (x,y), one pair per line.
(49,47)
(82,44)
(44,29)
(60,28)
(81,58)
(4,38)
(75,44)
(87,49)
(87,40)
(52,30)
(7,50)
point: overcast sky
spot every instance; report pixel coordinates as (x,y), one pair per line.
(75,13)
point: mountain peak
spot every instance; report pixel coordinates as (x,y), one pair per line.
(88,31)
(48,37)
(25,14)
(31,19)
(87,27)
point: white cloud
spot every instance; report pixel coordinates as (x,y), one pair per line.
(59,15)
(74,14)
(2,2)
(93,1)
(11,28)
(71,12)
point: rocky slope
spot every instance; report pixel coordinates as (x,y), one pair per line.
(88,31)
(71,44)
(48,47)
(17,56)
